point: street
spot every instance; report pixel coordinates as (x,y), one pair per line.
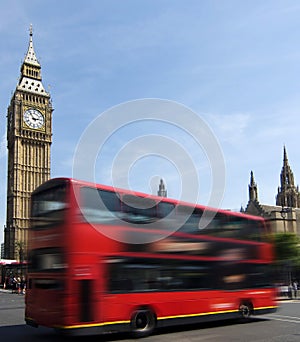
(282,326)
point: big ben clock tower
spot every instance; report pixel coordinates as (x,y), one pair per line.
(29,137)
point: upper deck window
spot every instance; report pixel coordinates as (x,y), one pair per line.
(99,206)
(138,209)
(48,207)
(108,207)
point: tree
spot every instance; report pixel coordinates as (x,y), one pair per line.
(286,246)
(287,254)
(20,248)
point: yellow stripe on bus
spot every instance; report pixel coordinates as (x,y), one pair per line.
(159,318)
(267,307)
(196,314)
(211,313)
(92,325)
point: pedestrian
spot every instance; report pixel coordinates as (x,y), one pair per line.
(295,288)
(14,285)
(18,285)
(23,285)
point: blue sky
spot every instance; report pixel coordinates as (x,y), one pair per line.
(234,63)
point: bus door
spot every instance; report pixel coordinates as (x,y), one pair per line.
(86,292)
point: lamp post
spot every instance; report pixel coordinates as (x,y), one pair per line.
(284,211)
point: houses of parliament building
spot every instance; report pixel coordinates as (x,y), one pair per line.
(285,215)
(29,138)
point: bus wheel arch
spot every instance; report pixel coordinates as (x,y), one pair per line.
(245,310)
(143,322)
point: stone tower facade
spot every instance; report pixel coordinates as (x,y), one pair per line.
(288,194)
(29,138)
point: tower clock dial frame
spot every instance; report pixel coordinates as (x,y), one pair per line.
(33,118)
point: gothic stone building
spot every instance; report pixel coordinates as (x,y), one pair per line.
(285,215)
(29,137)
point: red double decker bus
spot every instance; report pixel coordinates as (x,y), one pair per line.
(107,260)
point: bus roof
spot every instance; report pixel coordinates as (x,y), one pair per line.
(61,180)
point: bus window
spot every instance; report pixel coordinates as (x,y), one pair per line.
(138,209)
(99,206)
(190,218)
(46,260)
(259,276)
(48,207)
(142,275)
(244,229)
(226,226)
(164,209)
(253,230)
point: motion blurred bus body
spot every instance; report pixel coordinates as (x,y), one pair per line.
(122,264)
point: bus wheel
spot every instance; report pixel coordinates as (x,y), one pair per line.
(143,322)
(246,310)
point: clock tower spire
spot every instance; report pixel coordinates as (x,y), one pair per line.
(30,55)
(29,138)
(31,79)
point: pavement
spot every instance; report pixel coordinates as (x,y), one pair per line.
(9,291)
(285,298)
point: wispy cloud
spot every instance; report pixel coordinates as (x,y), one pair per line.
(3,148)
(231,128)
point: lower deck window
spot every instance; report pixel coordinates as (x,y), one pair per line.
(142,275)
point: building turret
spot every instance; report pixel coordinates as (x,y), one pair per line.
(162,192)
(288,193)
(252,188)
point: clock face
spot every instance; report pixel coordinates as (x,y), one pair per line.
(33,118)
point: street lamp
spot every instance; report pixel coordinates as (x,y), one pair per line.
(284,211)
(288,267)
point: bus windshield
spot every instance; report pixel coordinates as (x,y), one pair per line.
(48,207)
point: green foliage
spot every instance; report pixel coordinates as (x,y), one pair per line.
(287,247)
(20,249)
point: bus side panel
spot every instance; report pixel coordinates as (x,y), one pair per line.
(194,305)
(45,303)
(120,307)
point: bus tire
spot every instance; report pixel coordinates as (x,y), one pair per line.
(143,322)
(246,310)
